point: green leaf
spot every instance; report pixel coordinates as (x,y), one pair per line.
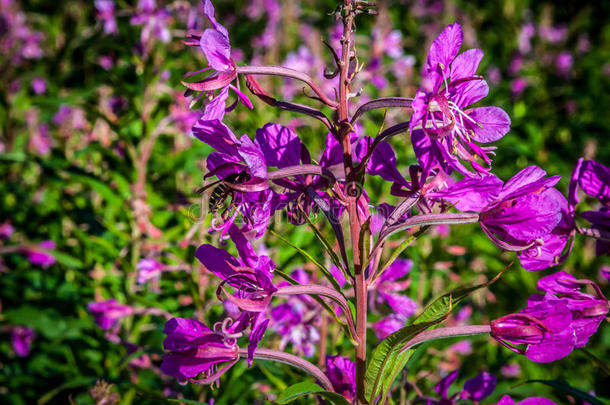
(308,388)
(568,389)
(67,260)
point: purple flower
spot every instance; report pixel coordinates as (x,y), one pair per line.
(148,269)
(387,289)
(39,85)
(251,198)
(295,319)
(594,179)
(342,374)
(194,349)
(253,285)
(507,400)
(40,140)
(105,12)
(214,42)
(524,214)
(475,389)
(39,255)
(154,23)
(441,125)
(107,314)
(21,338)
(251,280)
(552,325)
(6,230)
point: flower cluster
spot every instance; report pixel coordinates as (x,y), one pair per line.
(554,323)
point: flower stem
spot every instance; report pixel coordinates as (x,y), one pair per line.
(287,358)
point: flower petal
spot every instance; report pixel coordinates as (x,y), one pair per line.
(493,122)
(280,145)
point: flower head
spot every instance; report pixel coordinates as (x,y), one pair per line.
(39,255)
(21,338)
(555,323)
(108,313)
(440,108)
(193,349)
(525,214)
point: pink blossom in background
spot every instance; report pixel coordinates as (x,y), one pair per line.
(6,230)
(39,85)
(21,338)
(39,257)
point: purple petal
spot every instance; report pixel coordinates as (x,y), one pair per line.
(535,401)
(258,330)
(528,180)
(254,157)
(495,123)
(595,179)
(531,217)
(400,268)
(208,10)
(471,194)
(479,387)
(443,50)
(280,145)
(383,164)
(443,386)
(217,50)
(469,92)
(400,304)
(217,261)
(217,135)
(466,64)
(388,325)
(216,108)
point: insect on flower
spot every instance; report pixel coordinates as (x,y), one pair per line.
(223,189)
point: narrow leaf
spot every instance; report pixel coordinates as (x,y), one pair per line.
(308,388)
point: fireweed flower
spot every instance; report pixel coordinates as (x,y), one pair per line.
(475,389)
(214,42)
(439,108)
(555,323)
(21,338)
(251,280)
(193,349)
(107,314)
(235,156)
(39,255)
(524,214)
(295,319)
(594,179)
(154,22)
(387,288)
(342,374)
(6,230)
(105,12)
(148,269)
(253,285)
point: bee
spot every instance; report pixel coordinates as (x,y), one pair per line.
(222,190)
